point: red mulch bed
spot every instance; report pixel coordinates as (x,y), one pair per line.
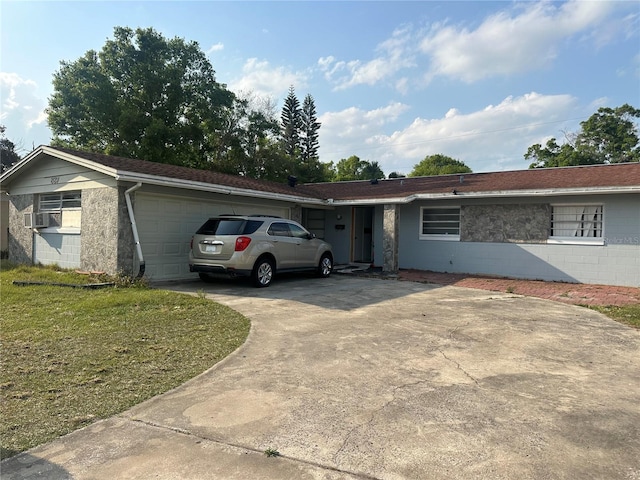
(574,293)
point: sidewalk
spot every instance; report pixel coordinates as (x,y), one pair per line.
(572,293)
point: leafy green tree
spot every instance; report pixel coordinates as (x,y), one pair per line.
(396,175)
(353,168)
(554,155)
(251,142)
(8,154)
(141,96)
(348,169)
(438,164)
(372,171)
(609,136)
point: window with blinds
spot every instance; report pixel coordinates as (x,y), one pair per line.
(440,223)
(577,221)
(56,202)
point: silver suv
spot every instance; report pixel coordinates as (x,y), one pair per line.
(257,246)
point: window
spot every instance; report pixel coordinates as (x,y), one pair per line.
(279,229)
(440,223)
(229,226)
(577,223)
(298,232)
(55,202)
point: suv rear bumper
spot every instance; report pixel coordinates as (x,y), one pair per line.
(219,269)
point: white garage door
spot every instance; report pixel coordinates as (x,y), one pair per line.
(166,225)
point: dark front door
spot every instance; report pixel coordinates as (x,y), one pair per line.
(362,231)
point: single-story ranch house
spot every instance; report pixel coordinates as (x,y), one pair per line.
(104,213)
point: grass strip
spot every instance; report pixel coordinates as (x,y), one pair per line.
(628,314)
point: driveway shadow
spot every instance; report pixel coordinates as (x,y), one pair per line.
(25,465)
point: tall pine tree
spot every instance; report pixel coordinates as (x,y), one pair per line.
(291,123)
(310,127)
(300,139)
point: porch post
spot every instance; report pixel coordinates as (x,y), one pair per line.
(390,237)
(296,213)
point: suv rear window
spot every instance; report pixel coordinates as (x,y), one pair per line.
(229,226)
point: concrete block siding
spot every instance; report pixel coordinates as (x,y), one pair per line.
(60,249)
(610,265)
(616,262)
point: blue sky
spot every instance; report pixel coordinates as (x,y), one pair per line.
(392,81)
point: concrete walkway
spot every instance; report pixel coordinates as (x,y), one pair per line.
(359,378)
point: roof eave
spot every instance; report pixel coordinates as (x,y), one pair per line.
(213,188)
(554,192)
(46,150)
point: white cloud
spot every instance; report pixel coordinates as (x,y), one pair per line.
(508,43)
(346,132)
(218,47)
(22,111)
(394,55)
(525,38)
(494,138)
(265,80)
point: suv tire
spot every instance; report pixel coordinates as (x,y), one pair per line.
(263,272)
(325,266)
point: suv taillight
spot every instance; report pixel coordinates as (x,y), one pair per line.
(242,243)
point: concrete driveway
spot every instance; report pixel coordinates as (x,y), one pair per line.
(362,378)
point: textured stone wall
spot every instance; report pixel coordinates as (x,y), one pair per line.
(100,230)
(391,225)
(4,222)
(20,238)
(515,223)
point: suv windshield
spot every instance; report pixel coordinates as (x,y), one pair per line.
(231,226)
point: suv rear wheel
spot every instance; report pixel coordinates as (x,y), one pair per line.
(263,272)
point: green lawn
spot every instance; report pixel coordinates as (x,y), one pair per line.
(70,356)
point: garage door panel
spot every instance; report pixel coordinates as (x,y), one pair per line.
(171,249)
(167,223)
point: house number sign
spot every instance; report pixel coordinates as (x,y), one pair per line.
(55,180)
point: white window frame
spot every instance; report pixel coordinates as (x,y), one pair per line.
(451,237)
(586,220)
(57,201)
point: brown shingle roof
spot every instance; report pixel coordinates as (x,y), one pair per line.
(132,165)
(543,179)
(581,177)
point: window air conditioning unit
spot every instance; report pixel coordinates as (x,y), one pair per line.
(36,220)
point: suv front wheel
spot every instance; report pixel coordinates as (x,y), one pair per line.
(263,272)
(325,266)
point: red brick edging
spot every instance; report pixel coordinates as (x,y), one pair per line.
(573,293)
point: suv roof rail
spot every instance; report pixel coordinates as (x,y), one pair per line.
(252,215)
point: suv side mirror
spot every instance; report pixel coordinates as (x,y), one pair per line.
(311,236)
